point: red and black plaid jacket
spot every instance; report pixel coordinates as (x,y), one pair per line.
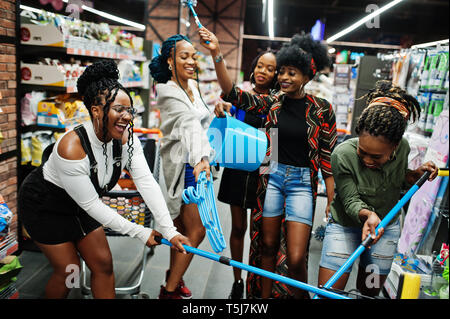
(321,131)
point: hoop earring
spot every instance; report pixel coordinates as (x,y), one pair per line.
(393,154)
(170,67)
(301,92)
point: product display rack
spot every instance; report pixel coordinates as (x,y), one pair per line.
(9,244)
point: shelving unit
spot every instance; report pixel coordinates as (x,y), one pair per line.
(8,148)
(209,86)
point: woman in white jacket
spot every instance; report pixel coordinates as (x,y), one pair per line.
(185,149)
(59,202)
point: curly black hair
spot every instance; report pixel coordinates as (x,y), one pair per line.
(301,51)
(385,120)
(255,62)
(99,85)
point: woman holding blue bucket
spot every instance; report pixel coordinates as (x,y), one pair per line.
(306,130)
(185,149)
(370,171)
(237,187)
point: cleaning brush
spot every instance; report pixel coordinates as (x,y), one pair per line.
(191,4)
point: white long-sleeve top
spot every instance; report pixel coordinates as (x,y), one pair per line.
(74,177)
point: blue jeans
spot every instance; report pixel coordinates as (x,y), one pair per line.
(291,186)
(340,242)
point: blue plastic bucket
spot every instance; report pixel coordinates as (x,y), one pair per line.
(236,144)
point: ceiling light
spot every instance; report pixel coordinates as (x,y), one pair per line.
(114,18)
(30,9)
(331,50)
(363,20)
(264,3)
(97,12)
(270,18)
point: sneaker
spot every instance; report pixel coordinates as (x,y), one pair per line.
(182,290)
(164,294)
(237,291)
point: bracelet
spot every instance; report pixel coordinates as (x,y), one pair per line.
(218,58)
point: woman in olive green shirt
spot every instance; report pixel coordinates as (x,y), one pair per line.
(369,172)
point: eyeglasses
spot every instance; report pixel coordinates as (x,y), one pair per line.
(122,108)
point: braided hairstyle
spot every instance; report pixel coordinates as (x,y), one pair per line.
(385,120)
(99,85)
(159,67)
(304,53)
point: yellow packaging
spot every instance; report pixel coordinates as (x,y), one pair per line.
(48,114)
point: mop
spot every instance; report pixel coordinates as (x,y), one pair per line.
(203,196)
(368,241)
(191,4)
(229,262)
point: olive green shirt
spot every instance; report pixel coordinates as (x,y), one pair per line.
(359,187)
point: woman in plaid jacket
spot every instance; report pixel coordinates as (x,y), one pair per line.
(301,130)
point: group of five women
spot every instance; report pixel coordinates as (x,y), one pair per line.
(61,209)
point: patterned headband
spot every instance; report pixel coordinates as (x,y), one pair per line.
(391,102)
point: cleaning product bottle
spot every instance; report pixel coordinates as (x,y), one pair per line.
(437,281)
(443,292)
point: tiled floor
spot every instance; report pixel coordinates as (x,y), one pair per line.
(206,279)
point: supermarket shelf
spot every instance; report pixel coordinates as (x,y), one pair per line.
(107,55)
(131,84)
(33,50)
(70,89)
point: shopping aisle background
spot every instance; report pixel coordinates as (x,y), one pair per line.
(206,279)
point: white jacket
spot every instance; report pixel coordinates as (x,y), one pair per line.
(184,125)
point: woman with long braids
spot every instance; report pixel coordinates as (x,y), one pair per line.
(370,171)
(185,149)
(305,131)
(60,204)
(238,188)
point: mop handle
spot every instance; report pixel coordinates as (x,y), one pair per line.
(194,14)
(387,219)
(229,262)
(197,20)
(382,224)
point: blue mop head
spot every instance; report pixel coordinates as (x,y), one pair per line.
(319,233)
(189,2)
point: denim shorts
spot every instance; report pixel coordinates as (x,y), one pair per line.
(290,186)
(340,242)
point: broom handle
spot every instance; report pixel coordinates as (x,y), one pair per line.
(367,242)
(229,262)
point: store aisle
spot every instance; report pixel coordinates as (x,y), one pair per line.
(206,279)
